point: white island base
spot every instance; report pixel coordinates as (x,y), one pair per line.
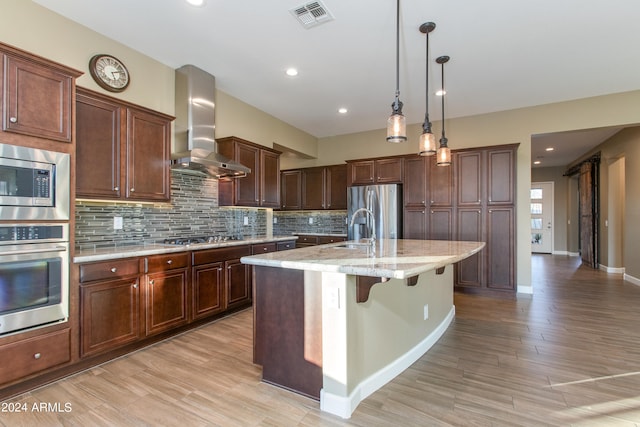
(338,337)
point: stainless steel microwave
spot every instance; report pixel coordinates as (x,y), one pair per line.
(34,184)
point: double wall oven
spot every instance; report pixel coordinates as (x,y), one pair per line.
(34,237)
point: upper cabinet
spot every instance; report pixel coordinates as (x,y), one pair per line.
(123,150)
(261,187)
(388,170)
(37,96)
(315,188)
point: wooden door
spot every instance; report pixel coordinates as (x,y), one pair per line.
(440,184)
(501,176)
(238,281)
(361,172)
(469,178)
(291,192)
(270,179)
(389,171)
(500,248)
(414,223)
(166,305)
(415,182)
(98,136)
(589,213)
(208,290)
(336,187)
(247,188)
(440,223)
(313,186)
(469,271)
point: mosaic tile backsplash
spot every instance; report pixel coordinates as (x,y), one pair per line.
(323,222)
(193,211)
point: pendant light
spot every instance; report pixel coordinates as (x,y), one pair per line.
(427,145)
(444,153)
(396,124)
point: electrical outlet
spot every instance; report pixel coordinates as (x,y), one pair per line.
(246,220)
(275,219)
(426,311)
(310,220)
(117,223)
(333,298)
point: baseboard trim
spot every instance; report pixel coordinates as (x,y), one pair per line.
(344,406)
(567,253)
(613,270)
(631,279)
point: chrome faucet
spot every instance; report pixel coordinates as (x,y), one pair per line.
(373,220)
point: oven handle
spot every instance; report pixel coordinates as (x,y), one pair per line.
(33,251)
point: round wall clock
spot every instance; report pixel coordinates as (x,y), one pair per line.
(109,72)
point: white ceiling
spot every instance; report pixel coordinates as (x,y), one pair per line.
(505,54)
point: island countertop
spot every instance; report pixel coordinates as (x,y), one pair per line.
(390,258)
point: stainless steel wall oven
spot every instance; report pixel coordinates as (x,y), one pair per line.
(34,275)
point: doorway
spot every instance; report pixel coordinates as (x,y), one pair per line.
(541,206)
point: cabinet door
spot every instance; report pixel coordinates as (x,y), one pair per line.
(414,224)
(469,227)
(208,290)
(270,179)
(97,147)
(440,184)
(109,315)
(336,187)
(501,176)
(389,171)
(247,188)
(500,248)
(440,224)
(166,302)
(238,282)
(37,100)
(313,188)
(469,173)
(148,145)
(415,182)
(361,172)
(291,193)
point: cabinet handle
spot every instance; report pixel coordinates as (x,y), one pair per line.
(37,356)
(133,189)
(135,285)
(152,282)
(264,249)
(170,262)
(116,188)
(13,119)
(113,269)
(422,212)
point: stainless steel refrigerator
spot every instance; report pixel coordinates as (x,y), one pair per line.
(384,203)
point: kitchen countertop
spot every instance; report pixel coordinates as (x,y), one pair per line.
(391,258)
(321,234)
(144,249)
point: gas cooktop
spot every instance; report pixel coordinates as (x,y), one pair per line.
(186,241)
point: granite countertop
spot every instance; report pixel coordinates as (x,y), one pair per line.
(391,258)
(320,234)
(144,249)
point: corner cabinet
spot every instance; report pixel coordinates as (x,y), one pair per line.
(123,150)
(261,187)
(387,170)
(314,188)
(37,96)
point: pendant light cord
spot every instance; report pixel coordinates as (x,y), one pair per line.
(397,100)
(444,139)
(427,125)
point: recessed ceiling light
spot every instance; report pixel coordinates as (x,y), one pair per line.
(441,92)
(342,110)
(537,162)
(292,72)
(197,3)
(549,149)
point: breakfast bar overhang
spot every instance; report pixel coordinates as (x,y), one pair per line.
(336,322)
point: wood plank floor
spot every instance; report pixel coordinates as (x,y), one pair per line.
(569,355)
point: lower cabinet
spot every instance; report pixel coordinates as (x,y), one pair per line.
(166,292)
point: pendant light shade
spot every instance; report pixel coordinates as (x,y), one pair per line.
(427,145)
(396,124)
(444,153)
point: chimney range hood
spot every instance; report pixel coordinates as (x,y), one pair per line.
(196,150)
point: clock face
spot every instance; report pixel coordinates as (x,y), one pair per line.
(109,73)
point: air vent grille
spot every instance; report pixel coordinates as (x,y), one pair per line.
(312,14)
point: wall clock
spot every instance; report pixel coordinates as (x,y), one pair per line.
(109,72)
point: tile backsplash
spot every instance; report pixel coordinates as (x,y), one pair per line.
(316,222)
(193,211)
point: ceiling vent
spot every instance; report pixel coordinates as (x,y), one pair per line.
(312,14)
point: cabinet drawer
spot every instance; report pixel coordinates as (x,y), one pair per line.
(33,355)
(167,262)
(330,239)
(112,269)
(208,256)
(285,246)
(307,240)
(263,248)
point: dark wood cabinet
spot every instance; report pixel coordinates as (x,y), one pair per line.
(291,191)
(305,240)
(261,187)
(470,271)
(500,249)
(123,150)
(500,177)
(315,188)
(109,305)
(286,245)
(440,223)
(208,289)
(166,292)
(469,170)
(375,171)
(414,223)
(37,96)
(415,184)
(441,185)
(238,282)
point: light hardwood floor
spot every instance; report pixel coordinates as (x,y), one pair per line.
(569,355)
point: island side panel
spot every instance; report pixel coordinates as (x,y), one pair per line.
(288,330)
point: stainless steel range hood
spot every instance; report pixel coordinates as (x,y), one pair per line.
(196,149)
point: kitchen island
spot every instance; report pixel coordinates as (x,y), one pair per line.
(336,322)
